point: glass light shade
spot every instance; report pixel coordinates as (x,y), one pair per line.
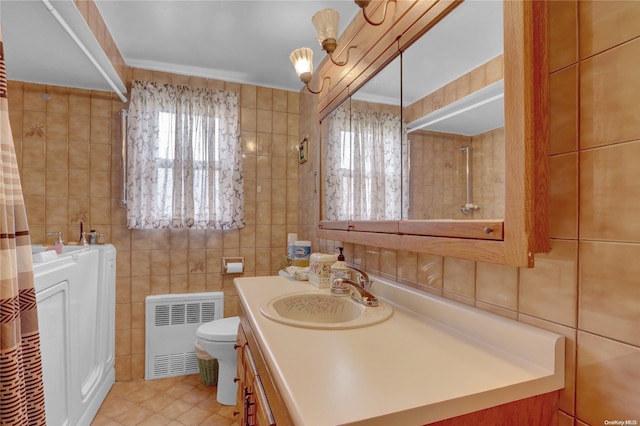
(326,22)
(302,60)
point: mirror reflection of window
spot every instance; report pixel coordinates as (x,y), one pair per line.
(362,166)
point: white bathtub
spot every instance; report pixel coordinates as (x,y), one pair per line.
(75,292)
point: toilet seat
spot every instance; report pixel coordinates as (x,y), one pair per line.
(222,330)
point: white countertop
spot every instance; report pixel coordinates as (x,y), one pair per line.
(433,359)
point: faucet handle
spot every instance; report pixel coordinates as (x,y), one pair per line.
(58,235)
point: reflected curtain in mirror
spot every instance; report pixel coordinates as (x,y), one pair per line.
(363,164)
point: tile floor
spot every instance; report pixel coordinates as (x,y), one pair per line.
(175,401)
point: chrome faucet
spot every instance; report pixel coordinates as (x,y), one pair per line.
(358,293)
(363,278)
(58,236)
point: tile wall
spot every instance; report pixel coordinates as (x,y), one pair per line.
(68,151)
(438,175)
(587,287)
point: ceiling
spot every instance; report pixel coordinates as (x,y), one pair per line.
(245,41)
(239,41)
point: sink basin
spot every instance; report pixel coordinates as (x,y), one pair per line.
(323,311)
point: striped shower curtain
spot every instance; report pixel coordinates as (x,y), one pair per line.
(21,389)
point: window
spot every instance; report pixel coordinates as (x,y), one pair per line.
(184,158)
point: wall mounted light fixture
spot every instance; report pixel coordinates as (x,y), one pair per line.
(326,22)
(363,5)
(302,60)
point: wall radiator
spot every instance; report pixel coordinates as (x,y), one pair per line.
(171,324)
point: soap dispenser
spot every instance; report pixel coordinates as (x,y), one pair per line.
(339,271)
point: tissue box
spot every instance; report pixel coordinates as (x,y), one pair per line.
(320,269)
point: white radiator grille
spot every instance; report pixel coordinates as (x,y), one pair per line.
(171,324)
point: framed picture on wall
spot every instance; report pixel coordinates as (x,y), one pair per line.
(303,151)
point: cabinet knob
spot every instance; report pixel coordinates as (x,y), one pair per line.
(236,379)
(236,346)
(235,413)
(487,230)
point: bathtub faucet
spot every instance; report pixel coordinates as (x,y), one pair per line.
(58,236)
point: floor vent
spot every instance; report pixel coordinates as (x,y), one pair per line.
(171,324)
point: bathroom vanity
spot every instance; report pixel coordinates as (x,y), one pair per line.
(434,361)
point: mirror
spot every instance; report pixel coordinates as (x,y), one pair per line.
(449,99)
(453,97)
(447,162)
(364,156)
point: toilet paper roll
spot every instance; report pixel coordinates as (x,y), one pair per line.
(234,268)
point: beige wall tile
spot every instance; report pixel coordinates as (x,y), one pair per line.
(33,181)
(280,100)
(178,262)
(497,285)
(265,98)
(609,291)
(564,196)
(160,262)
(549,291)
(197,239)
(459,277)
(32,97)
(160,284)
(264,143)
(57,127)
(249,142)
(248,96)
(608,380)
(56,182)
(430,271)
(264,120)
(248,119)
(140,264)
(33,153)
(179,239)
(609,90)
(608,180)
(100,157)
(563,119)
(407,267)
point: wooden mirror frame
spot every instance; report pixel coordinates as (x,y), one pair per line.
(525,228)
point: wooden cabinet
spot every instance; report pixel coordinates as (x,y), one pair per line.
(258,401)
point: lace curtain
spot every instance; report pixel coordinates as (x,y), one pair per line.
(184,158)
(367,166)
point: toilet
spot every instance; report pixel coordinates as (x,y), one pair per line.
(218,339)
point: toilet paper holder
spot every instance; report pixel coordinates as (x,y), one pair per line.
(232,265)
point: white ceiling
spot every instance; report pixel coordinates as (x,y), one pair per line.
(239,41)
(245,41)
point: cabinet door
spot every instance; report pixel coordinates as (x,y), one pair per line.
(241,375)
(255,410)
(262,409)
